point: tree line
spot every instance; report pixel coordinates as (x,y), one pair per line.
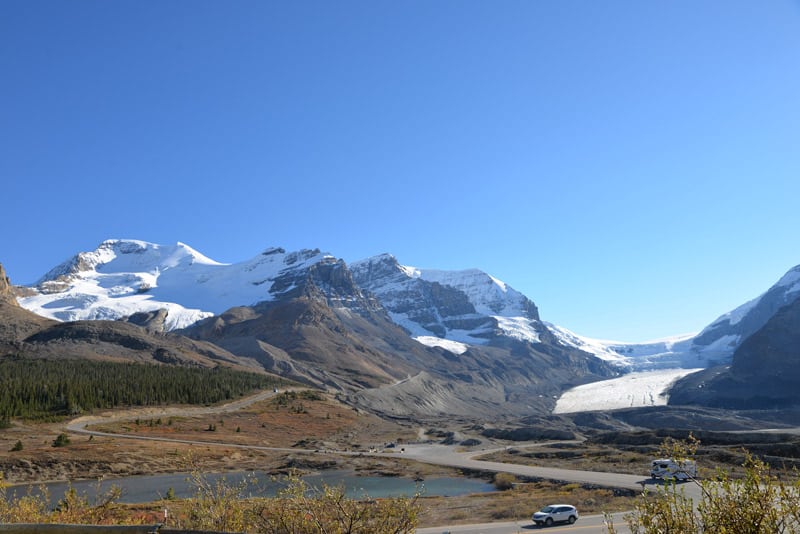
(42,389)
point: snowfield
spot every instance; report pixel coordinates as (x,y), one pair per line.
(453,346)
(634,390)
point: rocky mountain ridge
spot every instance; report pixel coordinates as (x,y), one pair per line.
(763,374)
(304,315)
(392,337)
(470,306)
(715,345)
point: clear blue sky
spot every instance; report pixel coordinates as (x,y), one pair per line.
(633,167)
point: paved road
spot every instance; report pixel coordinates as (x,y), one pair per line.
(585,525)
(448,456)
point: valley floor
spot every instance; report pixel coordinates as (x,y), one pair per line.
(311,431)
(287,420)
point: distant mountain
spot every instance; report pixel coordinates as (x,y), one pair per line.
(494,333)
(397,339)
(404,342)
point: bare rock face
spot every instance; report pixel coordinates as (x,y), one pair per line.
(155,321)
(16,323)
(5,285)
(329,281)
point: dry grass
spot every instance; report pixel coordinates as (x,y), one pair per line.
(580,456)
(302,419)
(304,422)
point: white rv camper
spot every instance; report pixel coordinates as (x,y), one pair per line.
(667,468)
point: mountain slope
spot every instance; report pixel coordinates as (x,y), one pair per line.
(764,372)
(351,344)
(16,323)
(728,332)
(499,350)
(323,330)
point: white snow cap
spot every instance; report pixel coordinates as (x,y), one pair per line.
(124,276)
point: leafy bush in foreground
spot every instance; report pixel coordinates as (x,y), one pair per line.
(758,503)
(297,509)
(221,506)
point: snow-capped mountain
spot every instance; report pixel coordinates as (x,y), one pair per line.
(450,309)
(714,345)
(308,316)
(726,334)
(123,277)
(668,353)
(746,358)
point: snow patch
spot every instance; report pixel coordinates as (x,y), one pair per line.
(453,346)
(518,327)
(122,277)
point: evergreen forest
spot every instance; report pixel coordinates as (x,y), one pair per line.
(46,389)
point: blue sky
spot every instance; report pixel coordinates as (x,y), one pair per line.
(633,167)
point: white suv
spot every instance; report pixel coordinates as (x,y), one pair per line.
(556,513)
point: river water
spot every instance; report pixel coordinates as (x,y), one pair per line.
(138,489)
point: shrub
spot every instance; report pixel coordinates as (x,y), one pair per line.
(61,441)
(72,508)
(296,509)
(758,503)
(504,481)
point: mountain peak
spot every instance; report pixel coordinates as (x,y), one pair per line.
(466,306)
(791,279)
(126,254)
(124,276)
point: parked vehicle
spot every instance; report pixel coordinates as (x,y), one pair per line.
(668,468)
(556,513)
